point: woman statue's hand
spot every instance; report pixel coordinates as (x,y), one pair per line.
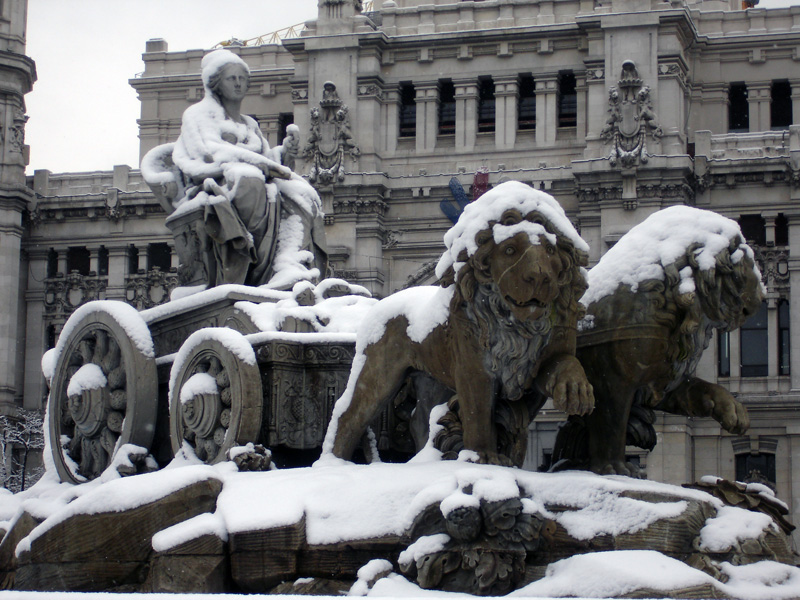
(273,169)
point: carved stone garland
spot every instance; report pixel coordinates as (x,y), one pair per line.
(216,402)
(103,395)
(483,546)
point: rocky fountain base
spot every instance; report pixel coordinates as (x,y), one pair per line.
(392,529)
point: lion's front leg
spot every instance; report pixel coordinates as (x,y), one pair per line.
(698,398)
(563,379)
(476,401)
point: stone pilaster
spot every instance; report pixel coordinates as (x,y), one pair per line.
(466,114)
(758,101)
(546,109)
(427,98)
(506,93)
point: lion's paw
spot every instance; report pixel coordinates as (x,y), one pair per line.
(731,414)
(494,458)
(572,392)
(618,467)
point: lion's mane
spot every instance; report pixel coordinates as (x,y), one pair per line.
(512,347)
(715,303)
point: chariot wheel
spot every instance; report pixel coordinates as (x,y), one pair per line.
(215,397)
(104,390)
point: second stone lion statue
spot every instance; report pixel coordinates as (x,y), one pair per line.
(653,302)
(502,326)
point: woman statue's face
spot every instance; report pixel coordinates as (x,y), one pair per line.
(233,83)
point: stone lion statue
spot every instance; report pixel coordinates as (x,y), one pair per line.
(501,327)
(653,302)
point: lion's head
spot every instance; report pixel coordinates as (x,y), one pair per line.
(517,241)
(515,261)
(682,268)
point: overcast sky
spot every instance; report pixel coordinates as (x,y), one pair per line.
(82,110)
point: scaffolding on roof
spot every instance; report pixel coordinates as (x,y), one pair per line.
(275,37)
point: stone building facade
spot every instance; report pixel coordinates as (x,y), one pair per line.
(616,107)
(17,75)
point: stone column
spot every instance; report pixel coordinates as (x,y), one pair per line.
(714,107)
(93,256)
(117,271)
(35,334)
(62,261)
(795,83)
(506,94)
(582,99)
(10,255)
(758,100)
(793,437)
(391,120)
(466,114)
(427,98)
(546,109)
(735,340)
(794,301)
(17,74)
(772,334)
(365,122)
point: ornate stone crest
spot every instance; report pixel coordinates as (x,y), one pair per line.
(631,118)
(330,138)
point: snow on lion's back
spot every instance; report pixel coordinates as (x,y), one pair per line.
(660,240)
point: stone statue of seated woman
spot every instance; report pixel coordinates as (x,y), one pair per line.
(237,214)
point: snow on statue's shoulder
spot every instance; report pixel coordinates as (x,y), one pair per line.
(658,242)
(482,213)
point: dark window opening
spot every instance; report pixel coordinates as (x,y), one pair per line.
(284,120)
(78,259)
(754,229)
(447,107)
(783,338)
(486,105)
(102,261)
(159,256)
(52,263)
(408,110)
(567,100)
(133,260)
(780,109)
(738,108)
(52,338)
(526,110)
(547,461)
(781,230)
(723,353)
(754,341)
(750,466)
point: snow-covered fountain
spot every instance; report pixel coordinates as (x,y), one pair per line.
(204,445)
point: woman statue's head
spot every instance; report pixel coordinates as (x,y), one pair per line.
(224,65)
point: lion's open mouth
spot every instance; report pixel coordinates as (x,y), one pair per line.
(527,303)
